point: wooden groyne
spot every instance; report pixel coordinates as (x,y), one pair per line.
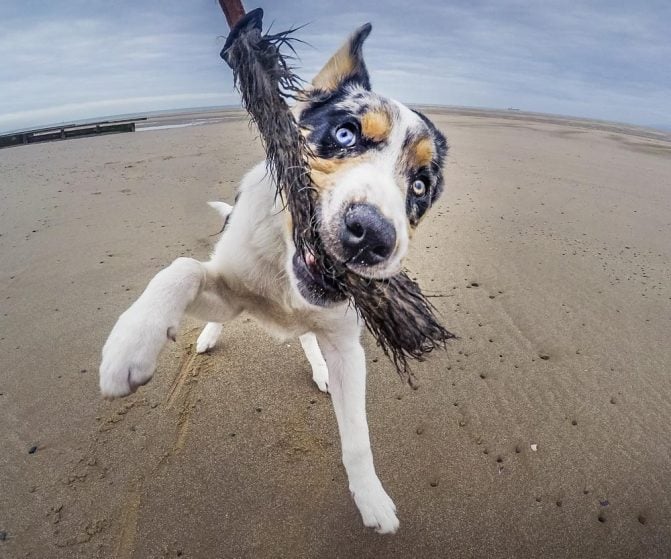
(67,131)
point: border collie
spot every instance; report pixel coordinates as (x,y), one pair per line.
(377,169)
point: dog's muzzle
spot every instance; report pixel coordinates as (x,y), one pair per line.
(367,238)
(360,238)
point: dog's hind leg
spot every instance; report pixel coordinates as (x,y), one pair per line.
(320,372)
(208,337)
(132,348)
(347,384)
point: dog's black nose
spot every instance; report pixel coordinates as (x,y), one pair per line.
(367,237)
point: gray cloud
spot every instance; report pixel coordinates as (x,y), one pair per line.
(76,59)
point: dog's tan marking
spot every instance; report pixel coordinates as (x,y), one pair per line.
(376,125)
(326,166)
(344,63)
(323,171)
(321,181)
(340,65)
(421,153)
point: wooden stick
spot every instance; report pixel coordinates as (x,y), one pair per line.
(233,10)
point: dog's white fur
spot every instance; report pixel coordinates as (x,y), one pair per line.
(210,335)
(251,270)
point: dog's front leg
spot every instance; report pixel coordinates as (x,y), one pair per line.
(320,372)
(347,384)
(132,349)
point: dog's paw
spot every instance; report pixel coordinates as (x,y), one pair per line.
(376,507)
(208,337)
(320,376)
(131,351)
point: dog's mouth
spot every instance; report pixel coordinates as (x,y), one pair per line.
(315,286)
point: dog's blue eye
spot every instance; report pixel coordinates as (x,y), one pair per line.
(419,188)
(345,135)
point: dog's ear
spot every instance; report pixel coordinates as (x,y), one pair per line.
(346,65)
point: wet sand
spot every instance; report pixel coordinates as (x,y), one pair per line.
(542,432)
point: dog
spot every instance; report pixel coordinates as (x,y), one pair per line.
(376,166)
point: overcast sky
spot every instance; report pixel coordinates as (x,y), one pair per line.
(64,60)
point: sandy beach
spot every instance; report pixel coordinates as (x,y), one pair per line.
(543,431)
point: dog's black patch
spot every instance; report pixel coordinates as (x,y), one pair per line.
(323,121)
(416,206)
(431,174)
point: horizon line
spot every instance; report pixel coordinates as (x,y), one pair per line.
(664,129)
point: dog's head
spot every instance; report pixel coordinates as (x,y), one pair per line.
(376,165)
